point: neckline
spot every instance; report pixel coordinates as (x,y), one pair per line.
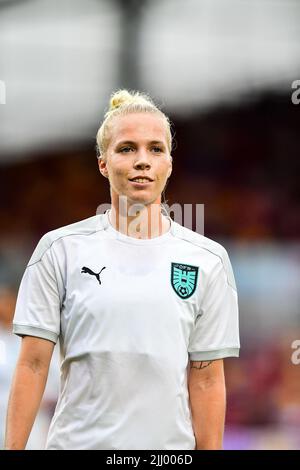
(136,241)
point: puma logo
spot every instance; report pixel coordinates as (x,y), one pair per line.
(89,271)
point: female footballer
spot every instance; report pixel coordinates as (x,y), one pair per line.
(145,310)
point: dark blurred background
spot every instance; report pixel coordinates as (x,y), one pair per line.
(224,73)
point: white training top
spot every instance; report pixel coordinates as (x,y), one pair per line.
(129,314)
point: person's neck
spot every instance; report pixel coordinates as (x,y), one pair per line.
(147,223)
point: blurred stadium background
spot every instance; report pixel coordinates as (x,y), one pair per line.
(223,71)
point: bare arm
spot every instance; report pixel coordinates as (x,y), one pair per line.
(27,389)
(207,394)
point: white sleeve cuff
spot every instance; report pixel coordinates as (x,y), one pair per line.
(211,355)
(28,330)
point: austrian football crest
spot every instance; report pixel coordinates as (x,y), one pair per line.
(184,279)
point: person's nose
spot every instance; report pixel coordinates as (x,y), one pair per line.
(142,160)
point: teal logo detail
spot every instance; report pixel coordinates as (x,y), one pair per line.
(184,279)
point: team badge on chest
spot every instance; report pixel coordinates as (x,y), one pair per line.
(184,279)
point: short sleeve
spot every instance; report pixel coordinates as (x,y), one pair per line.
(216,329)
(37,310)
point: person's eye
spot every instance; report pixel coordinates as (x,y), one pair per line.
(125,149)
(157,149)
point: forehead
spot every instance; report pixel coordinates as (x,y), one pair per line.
(138,127)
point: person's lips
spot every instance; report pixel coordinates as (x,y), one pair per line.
(141,181)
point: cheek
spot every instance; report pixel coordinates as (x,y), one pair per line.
(118,173)
(163,173)
(115,168)
(117,176)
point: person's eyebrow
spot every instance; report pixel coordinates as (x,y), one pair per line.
(131,142)
(157,142)
(125,142)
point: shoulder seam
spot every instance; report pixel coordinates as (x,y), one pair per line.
(59,238)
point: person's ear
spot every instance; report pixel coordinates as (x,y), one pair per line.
(102,167)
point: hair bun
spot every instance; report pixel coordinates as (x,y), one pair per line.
(119,98)
(124,97)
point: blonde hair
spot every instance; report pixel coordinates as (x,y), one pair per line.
(123,102)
